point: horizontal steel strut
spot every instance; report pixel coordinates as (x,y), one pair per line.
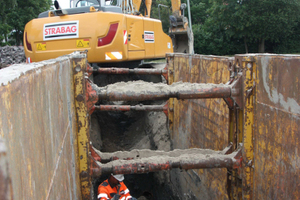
(129,71)
(141,91)
(157,161)
(105,157)
(128,108)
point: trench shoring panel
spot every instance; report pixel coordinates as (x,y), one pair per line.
(201,123)
(277,128)
(37,121)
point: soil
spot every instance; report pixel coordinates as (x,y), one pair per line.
(11,55)
(141,90)
(125,131)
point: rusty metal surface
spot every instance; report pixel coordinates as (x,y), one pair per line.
(81,94)
(277,128)
(200,123)
(105,157)
(164,162)
(248,67)
(37,121)
(129,71)
(5,180)
(150,91)
(129,107)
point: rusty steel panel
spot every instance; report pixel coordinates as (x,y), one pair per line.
(5,180)
(277,128)
(37,121)
(199,123)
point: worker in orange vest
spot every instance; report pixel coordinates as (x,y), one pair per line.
(113,188)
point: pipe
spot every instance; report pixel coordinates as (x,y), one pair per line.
(159,5)
(159,163)
(141,91)
(189,13)
(129,71)
(105,157)
(128,108)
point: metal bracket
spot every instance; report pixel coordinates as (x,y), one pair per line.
(165,73)
(236,98)
(238,157)
(91,96)
(250,91)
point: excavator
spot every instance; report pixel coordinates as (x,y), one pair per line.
(114,33)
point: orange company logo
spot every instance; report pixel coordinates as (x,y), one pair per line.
(61,30)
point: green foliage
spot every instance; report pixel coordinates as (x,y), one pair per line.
(163,11)
(259,23)
(16,17)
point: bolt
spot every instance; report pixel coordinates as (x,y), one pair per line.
(77,68)
(249,65)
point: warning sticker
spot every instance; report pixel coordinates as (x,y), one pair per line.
(41,46)
(149,36)
(61,30)
(117,55)
(83,43)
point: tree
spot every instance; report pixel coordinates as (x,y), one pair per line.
(22,13)
(256,21)
(4,27)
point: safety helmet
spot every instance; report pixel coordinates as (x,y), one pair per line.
(119,177)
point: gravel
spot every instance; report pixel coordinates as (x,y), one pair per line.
(11,55)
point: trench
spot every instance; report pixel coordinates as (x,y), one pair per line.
(123,131)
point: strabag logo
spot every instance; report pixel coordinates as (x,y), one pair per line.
(61,30)
(149,36)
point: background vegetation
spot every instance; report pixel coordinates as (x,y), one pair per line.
(14,14)
(221,27)
(228,27)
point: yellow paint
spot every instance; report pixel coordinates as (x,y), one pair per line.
(83,43)
(41,46)
(29,176)
(176,6)
(89,27)
(82,127)
(248,127)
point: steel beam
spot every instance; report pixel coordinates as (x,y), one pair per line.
(141,91)
(82,123)
(165,161)
(138,71)
(105,157)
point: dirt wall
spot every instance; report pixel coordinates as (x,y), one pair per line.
(37,122)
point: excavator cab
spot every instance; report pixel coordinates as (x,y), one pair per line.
(82,3)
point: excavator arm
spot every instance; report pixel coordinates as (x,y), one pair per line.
(180,31)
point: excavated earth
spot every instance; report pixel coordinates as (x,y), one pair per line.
(125,131)
(11,55)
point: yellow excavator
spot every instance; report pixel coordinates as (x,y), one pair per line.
(111,31)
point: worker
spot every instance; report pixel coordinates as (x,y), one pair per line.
(113,188)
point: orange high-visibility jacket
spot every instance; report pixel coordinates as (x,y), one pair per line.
(105,192)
